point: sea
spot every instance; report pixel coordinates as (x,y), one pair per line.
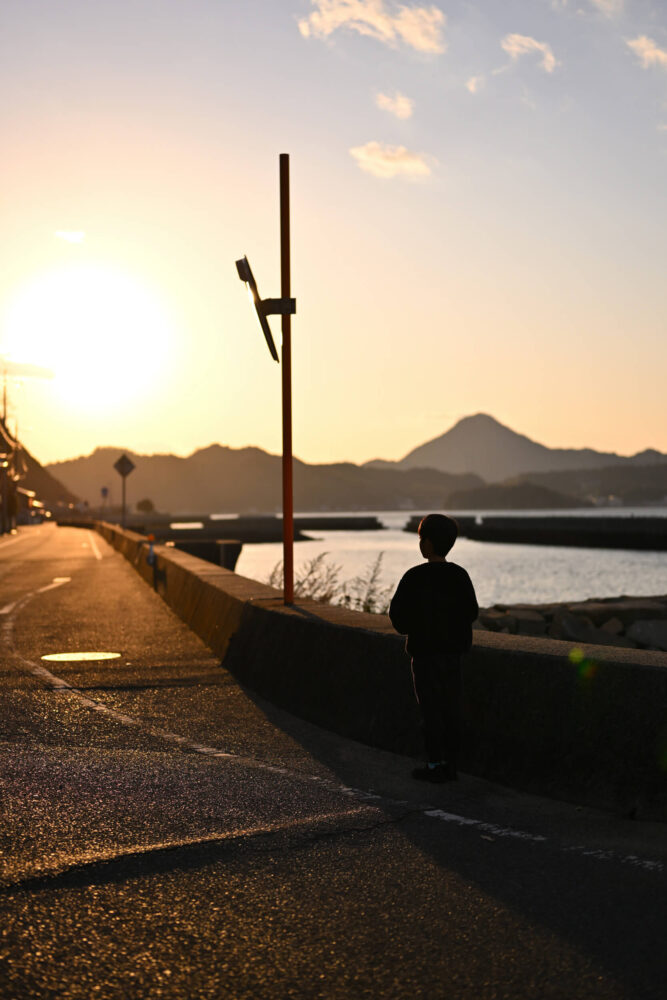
(502,573)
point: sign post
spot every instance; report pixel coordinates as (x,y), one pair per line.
(124,466)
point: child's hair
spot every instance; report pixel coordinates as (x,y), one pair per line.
(440,530)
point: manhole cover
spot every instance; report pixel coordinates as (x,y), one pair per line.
(71,657)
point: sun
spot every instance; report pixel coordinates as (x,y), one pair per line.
(104,335)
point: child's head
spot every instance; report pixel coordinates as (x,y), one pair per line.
(439,531)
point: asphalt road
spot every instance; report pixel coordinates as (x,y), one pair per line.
(167,834)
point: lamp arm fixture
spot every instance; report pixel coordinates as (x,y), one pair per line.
(264,307)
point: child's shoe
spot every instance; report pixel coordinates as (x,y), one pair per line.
(436,774)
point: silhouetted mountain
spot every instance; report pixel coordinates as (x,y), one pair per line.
(482,445)
(218,479)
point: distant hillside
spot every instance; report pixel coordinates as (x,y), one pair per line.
(513,496)
(48,489)
(476,451)
(632,484)
(219,479)
(28,474)
(485,447)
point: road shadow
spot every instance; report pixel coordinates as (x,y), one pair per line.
(607,907)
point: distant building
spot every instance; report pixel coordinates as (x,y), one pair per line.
(12,469)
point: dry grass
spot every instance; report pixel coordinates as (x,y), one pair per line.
(319,580)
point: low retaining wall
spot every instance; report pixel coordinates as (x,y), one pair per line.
(587,724)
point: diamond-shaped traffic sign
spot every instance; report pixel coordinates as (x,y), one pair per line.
(124,466)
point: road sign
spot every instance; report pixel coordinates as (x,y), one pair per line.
(124,466)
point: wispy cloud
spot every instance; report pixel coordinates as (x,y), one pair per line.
(521,45)
(648,52)
(391,161)
(608,7)
(398,105)
(475,83)
(70,235)
(420,28)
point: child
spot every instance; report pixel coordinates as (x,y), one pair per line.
(435,606)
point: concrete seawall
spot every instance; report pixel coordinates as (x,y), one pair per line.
(602,532)
(590,728)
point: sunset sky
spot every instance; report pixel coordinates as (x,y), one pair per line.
(478,221)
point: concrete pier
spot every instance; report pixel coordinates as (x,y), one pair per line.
(615,532)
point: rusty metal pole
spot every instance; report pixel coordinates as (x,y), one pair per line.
(285,292)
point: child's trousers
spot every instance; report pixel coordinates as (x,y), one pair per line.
(437,682)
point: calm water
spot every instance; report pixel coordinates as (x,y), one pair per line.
(501,573)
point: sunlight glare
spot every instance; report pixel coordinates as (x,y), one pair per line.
(70,235)
(105,336)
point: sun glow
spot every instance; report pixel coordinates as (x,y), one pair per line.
(105,336)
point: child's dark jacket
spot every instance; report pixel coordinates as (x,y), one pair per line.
(435,606)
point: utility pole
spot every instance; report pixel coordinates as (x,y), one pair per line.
(285,306)
(4,461)
(285,293)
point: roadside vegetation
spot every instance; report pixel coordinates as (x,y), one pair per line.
(319,580)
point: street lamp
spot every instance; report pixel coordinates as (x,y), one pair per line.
(285,307)
(263,307)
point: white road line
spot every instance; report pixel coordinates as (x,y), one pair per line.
(58,581)
(497,831)
(93,545)
(58,684)
(19,538)
(10,609)
(506,831)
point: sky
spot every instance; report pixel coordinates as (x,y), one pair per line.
(478,221)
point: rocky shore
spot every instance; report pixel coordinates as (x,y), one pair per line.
(631,622)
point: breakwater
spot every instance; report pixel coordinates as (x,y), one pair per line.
(193,528)
(247,528)
(337,522)
(640,533)
(219,551)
